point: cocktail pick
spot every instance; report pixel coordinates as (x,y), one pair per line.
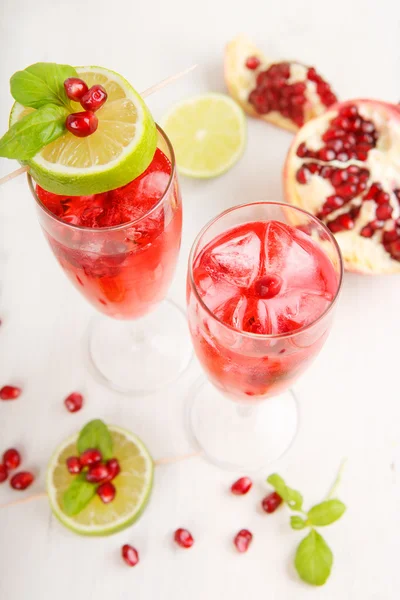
(154,88)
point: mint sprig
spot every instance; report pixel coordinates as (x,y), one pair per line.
(80,492)
(41,84)
(34,131)
(314,558)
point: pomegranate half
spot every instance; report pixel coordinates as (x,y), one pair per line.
(287,94)
(344,167)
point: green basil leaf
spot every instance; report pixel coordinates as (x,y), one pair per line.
(95,434)
(293,498)
(37,129)
(297,522)
(313,559)
(78,495)
(326,512)
(41,84)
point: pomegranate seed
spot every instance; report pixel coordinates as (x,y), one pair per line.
(75,88)
(395,249)
(242,540)
(113,468)
(74,465)
(376,224)
(373,192)
(9,392)
(302,150)
(82,124)
(349,111)
(97,473)
(130,555)
(74,402)
(382,198)
(90,457)
(302,175)
(183,538)
(312,75)
(241,486)
(21,480)
(271,502)
(389,236)
(3,473)
(367,231)
(326,172)
(268,286)
(384,212)
(94,98)
(106,492)
(334,202)
(342,156)
(11,458)
(314,168)
(252,63)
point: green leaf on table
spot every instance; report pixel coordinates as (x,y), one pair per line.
(297,522)
(326,512)
(78,495)
(95,434)
(313,559)
(41,84)
(293,498)
(34,131)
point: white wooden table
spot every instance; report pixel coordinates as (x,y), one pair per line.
(350,397)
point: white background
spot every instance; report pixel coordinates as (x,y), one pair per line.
(350,397)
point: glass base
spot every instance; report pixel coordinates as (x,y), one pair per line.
(143,356)
(237,436)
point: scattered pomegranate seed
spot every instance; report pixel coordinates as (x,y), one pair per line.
(183,538)
(94,98)
(242,540)
(241,486)
(9,392)
(3,473)
(252,63)
(74,465)
(113,468)
(82,124)
(271,502)
(130,555)
(21,480)
(11,459)
(97,473)
(106,492)
(75,88)
(74,402)
(90,457)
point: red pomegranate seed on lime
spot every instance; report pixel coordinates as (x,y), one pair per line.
(241,486)
(94,98)
(82,124)
(113,468)
(9,392)
(183,538)
(11,459)
(271,502)
(75,88)
(21,480)
(3,473)
(74,465)
(97,473)
(130,555)
(242,540)
(73,402)
(90,457)
(106,492)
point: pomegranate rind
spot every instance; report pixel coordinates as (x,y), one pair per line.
(97,518)
(240,81)
(360,254)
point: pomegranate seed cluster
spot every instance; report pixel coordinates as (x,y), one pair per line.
(11,460)
(351,137)
(273,92)
(82,124)
(97,471)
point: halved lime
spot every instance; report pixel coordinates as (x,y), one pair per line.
(118,152)
(208,133)
(133,485)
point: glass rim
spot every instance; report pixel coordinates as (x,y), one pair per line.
(265,336)
(122,225)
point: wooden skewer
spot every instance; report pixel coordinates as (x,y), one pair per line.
(150,90)
(161,461)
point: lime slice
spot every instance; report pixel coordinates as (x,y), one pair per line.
(118,152)
(208,134)
(133,486)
